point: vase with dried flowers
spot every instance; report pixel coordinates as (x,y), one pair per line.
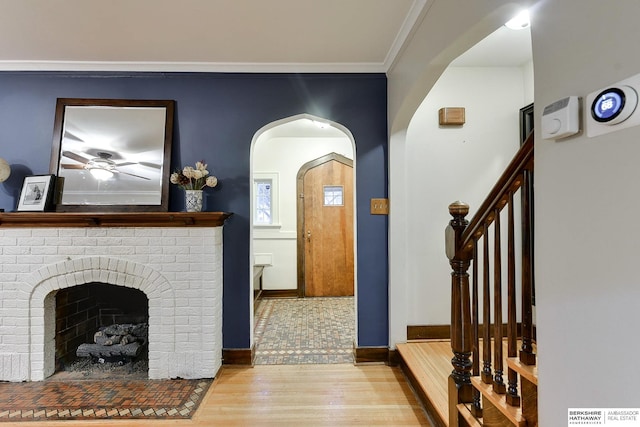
(193,181)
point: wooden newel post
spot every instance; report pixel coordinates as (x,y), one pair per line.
(460,390)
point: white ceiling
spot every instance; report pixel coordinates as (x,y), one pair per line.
(208,35)
(201,35)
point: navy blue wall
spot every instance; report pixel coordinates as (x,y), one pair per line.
(216,118)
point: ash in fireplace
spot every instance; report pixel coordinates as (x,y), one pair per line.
(86,368)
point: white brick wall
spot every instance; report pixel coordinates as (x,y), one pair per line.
(179,269)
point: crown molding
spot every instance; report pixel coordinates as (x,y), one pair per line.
(415,13)
(200,67)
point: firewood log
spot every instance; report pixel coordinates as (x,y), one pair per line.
(108,340)
(95,350)
(127,339)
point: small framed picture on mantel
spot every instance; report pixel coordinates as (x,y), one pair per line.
(37,193)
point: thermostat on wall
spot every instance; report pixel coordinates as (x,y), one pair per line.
(561,119)
(613,108)
(614,105)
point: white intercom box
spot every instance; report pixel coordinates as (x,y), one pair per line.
(613,107)
(561,118)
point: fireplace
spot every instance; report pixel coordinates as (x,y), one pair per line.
(84,316)
(173,263)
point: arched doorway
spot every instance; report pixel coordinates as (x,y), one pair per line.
(279,151)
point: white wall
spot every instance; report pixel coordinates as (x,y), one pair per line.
(442,35)
(285,155)
(527,73)
(444,164)
(587,282)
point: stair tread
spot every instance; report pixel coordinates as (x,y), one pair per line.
(468,416)
(530,372)
(430,363)
(513,413)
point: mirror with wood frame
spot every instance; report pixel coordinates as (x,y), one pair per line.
(114,154)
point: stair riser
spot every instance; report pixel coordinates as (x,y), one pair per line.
(529,402)
(492,417)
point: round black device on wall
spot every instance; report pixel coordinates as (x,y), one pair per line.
(614,105)
(608,105)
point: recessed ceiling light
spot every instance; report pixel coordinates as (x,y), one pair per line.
(520,21)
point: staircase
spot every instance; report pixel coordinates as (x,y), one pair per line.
(493,408)
(494,380)
(494,384)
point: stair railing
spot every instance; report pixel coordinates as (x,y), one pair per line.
(464,241)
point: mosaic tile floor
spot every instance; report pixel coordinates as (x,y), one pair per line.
(295,331)
(100,399)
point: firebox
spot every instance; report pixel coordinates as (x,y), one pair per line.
(85,314)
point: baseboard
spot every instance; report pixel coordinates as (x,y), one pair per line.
(279,293)
(443,332)
(394,358)
(371,354)
(238,356)
(428,332)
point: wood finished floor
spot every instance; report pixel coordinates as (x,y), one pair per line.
(430,363)
(293,395)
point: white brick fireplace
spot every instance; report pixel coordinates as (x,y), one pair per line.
(178,268)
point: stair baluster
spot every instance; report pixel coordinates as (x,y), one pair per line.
(487,373)
(498,381)
(527,355)
(476,408)
(512,330)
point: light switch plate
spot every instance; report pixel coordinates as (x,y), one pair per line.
(379,206)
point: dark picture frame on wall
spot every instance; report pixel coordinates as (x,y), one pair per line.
(114,154)
(37,193)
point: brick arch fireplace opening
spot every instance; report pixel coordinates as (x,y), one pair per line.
(110,271)
(96,321)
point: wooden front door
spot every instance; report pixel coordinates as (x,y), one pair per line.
(325,230)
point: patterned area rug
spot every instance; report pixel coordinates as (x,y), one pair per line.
(100,399)
(294,331)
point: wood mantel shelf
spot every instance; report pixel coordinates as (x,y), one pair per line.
(115,219)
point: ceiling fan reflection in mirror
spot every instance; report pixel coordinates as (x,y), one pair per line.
(100,167)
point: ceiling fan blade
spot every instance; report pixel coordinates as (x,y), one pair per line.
(151,165)
(74,156)
(71,136)
(125,173)
(70,166)
(126,164)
